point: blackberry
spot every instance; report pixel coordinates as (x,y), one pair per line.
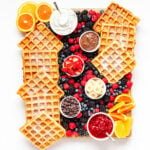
(89,24)
(77,13)
(65,125)
(84,12)
(71,89)
(106,99)
(79,18)
(124,81)
(85,18)
(102,108)
(89,17)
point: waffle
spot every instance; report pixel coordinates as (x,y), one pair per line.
(114,62)
(37,61)
(41,39)
(115,14)
(43,131)
(37,104)
(40,84)
(125,34)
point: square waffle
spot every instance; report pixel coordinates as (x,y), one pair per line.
(40,39)
(40,84)
(40,61)
(124,34)
(115,14)
(37,104)
(43,131)
(114,62)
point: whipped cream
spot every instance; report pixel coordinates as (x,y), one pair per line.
(63,22)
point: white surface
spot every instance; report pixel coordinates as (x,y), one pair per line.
(12,112)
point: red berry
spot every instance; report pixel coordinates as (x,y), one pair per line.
(66,86)
(112,98)
(71,81)
(115,86)
(77,39)
(77,46)
(105,80)
(110,105)
(79,26)
(83,83)
(91,12)
(129,84)
(69,133)
(89,72)
(70,41)
(65,69)
(84,58)
(129,76)
(76,85)
(72,48)
(82,23)
(79,115)
(125,90)
(75,133)
(64,76)
(92,113)
(75,31)
(80,99)
(59,37)
(98,14)
(85,126)
(94,18)
(76,95)
(97,110)
(111,91)
(72,125)
(89,76)
(101,102)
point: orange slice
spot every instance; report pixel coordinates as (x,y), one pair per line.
(25,22)
(126,108)
(124,97)
(116,106)
(43,12)
(117,116)
(28,7)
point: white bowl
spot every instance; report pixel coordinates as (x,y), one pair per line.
(100,139)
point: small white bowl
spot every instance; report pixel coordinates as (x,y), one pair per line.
(82,68)
(96,48)
(63,112)
(100,139)
(100,95)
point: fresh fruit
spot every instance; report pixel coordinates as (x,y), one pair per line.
(69,133)
(116,107)
(43,12)
(28,7)
(25,22)
(129,84)
(126,108)
(125,98)
(123,128)
(110,105)
(117,116)
(72,125)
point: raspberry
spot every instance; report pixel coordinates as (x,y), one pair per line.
(79,26)
(80,99)
(72,48)
(59,37)
(129,84)
(83,83)
(97,110)
(70,41)
(71,81)
(76,85)
(69,133)
(89,76)
(79,115)
(111,91)
(89,72)
(75,31)
(91,12)
(105,80)
(101,102)
(129,76)
(85,78)
(84,58)
(112,98)
(65,69)
(115,86)
(110,105)
(94,18)
(66,86)
(75,133)
(77,39)
(64,76)
(77,46)
(85,126)
(125,90)
(76,95)
(98,14)
(72,125)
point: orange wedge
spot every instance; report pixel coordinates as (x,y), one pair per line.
(126,108)
(125,98)
(117,116)
(116,107)
(44,11)
(25,22)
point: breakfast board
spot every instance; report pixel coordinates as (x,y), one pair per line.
(77,83)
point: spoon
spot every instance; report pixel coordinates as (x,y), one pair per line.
(56,6)
(110,137)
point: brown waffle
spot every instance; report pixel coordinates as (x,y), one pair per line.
(115,14)
(124,34)
(40,61)
(43,131)
(40,84)
(41,39)
(114,62)
(37,104)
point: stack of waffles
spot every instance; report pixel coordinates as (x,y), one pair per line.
(117,28)
(40,91)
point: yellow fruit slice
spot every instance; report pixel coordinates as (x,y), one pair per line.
(126,108)
(25,22)
(125,98)
(28,7)
(44,11)
(117,116)
(123,128)
(116,106)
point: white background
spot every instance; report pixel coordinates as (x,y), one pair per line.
(12,112)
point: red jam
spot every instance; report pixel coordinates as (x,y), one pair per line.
(73,65)
(99,125)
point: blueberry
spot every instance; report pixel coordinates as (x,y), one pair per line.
(86,29)
(97,105)
(89,24)
(76,90)
(106,99)
(80,31)
(77,12)
(96,72)
(79,18)
(76,129)
(101,11)
(80,95)
(102,108)
(89,17)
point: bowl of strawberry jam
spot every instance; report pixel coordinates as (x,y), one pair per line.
(99,125)
(73,66)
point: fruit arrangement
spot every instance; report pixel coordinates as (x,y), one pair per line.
(77,91)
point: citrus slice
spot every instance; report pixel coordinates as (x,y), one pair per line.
(116,106)
(117,116)
(25,22)
(123,128)
(124,97)
(28,7)
(126,108)
(43,12)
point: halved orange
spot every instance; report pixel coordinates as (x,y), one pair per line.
(116,107)
(117,116)
(44,11)
(25,22)
(126,108)
(28,7)
(124,97)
